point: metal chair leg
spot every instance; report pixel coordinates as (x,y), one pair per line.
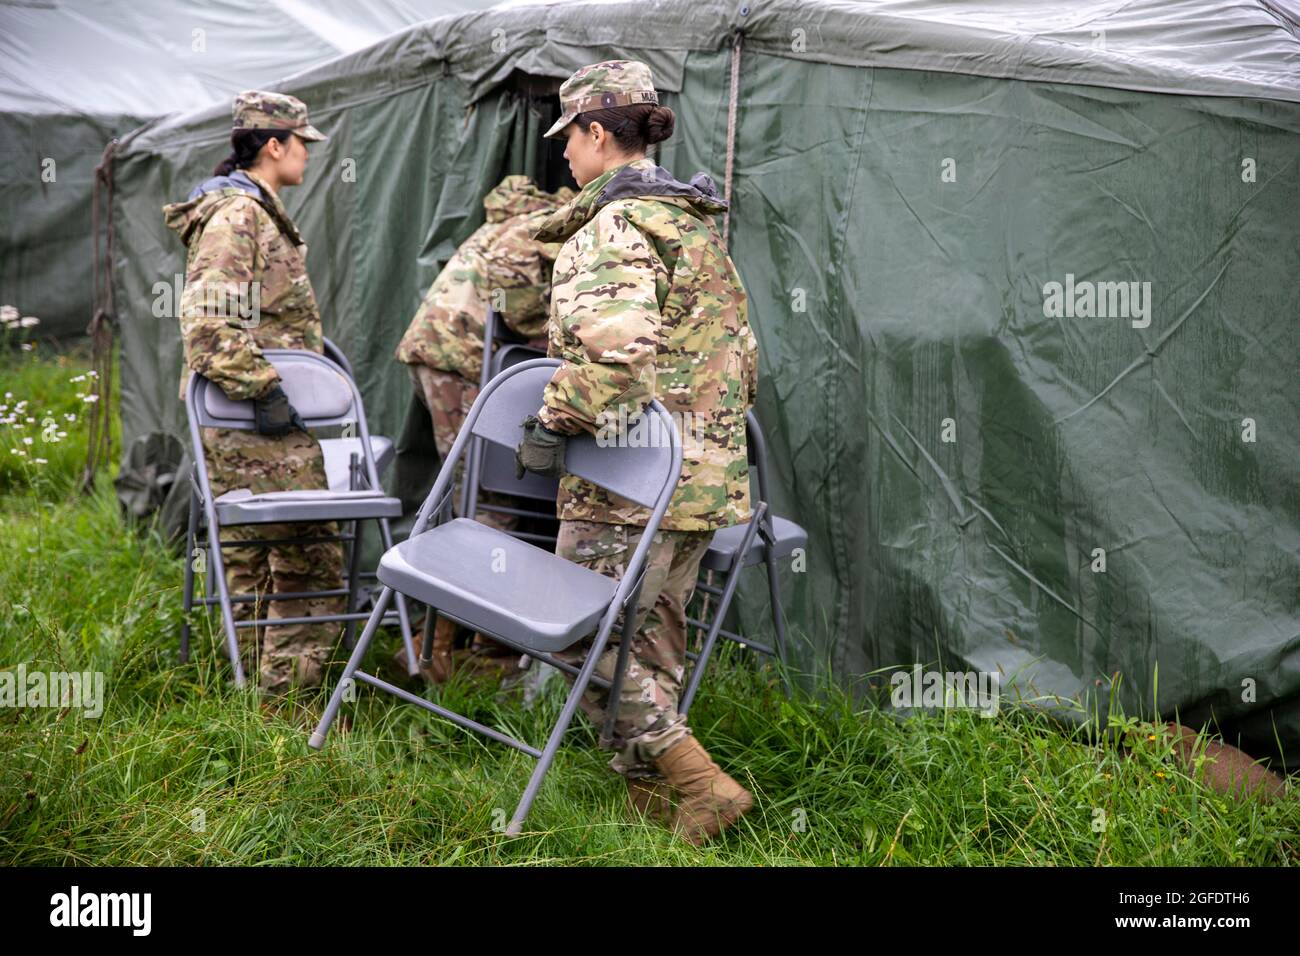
(724,602)
(353,549)
(705,599)
(561,726)
(468,493)
(217,566)
(188,599)
(426,650)
(354,577)
(778,617)
(403,618)
(317,740)
(209,584)
(620,666)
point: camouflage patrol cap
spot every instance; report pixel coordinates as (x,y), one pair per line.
(602,85)
(255,109)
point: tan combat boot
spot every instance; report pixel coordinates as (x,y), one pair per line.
(486,659)
(439,669)
(485,646)
(650,797)
(709,801)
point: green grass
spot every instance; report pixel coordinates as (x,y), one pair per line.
(182,768)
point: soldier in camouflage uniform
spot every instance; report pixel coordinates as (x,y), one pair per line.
(500,265)
(646,304)
(246,289)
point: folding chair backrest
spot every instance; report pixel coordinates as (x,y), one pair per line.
(508,356)
(497,472)
(756,452)
(498,475)
(635,472)
(316,392)
(318,388)
(335,354)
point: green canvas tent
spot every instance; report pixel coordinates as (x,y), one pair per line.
(1024,282)
(76,73)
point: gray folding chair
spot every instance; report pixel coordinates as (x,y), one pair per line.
(523,596)
(764,539)
(491,467)
(324,394)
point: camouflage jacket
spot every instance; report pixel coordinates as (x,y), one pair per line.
(499,265)
(647,304)
(246,285)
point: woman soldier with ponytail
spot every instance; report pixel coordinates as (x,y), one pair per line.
(645,304)
(246,289)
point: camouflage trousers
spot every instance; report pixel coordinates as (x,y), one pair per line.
(647,723)
(448,397)
(291,654)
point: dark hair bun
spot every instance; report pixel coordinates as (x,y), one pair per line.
(659,124)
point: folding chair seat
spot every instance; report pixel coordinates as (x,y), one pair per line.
(510,355)
(241,506)
(539,601)
(787,536)
(765,539)
(324,394)
(511,590)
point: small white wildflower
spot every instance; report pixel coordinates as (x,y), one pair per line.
(93,374)
(70,417)
(27,346)
(78,378)
(90,398)
(40,461)
(30,420)
(62,434)
(27,440)
(27,321)
(8,396)
(19,452)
